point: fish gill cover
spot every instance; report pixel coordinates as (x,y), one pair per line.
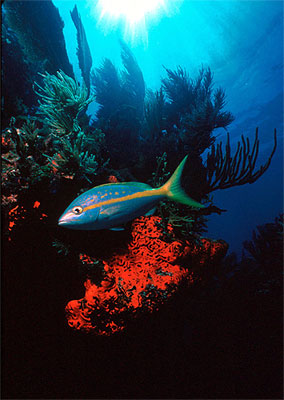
(52,151)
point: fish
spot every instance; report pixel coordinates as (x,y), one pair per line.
(112,205)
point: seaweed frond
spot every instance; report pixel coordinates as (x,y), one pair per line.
(73,158)
(225,170)
(120,95)
(265,251)
(132,79)
(23,160)
(194,107)
(154,111)
(179,89)
(83,50)
(117,90)
(260,270)
(63,101)
(107,88)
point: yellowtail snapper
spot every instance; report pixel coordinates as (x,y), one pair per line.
(111,205)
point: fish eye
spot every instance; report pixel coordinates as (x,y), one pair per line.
(77,210)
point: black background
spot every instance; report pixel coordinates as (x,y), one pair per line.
(226,345)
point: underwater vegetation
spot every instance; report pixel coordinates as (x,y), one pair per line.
(194,107)
(260,270)
(27,49)
(83,50)
(226,170)
(120,95)
(52,151)
(63,102)
(264,254)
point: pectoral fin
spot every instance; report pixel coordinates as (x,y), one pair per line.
(117,228)
(151,212)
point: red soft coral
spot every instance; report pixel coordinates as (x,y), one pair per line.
(138,279)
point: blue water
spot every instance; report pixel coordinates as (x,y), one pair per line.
(242,42)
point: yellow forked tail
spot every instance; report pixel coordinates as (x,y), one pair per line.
(174,191)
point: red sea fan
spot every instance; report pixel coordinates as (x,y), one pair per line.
(138,279)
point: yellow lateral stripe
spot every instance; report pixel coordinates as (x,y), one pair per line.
(137,195)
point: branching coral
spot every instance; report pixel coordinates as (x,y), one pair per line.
(160,176)
(194,107)
(107,87)
(180,90)
(133,84)
(118,90)
(120,95)
(23,161)
(29,156)
(63,101)
(260,270)
(227,170)
(186,222)
(36,152)
(154,114)
(73,158)
(266,246)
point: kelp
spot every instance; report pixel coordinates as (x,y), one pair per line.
(83,50)
(63,102)
(225,170)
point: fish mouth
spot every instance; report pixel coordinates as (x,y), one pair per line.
(62,222)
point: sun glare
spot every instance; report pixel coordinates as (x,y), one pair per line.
(133,15)
(132,10)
